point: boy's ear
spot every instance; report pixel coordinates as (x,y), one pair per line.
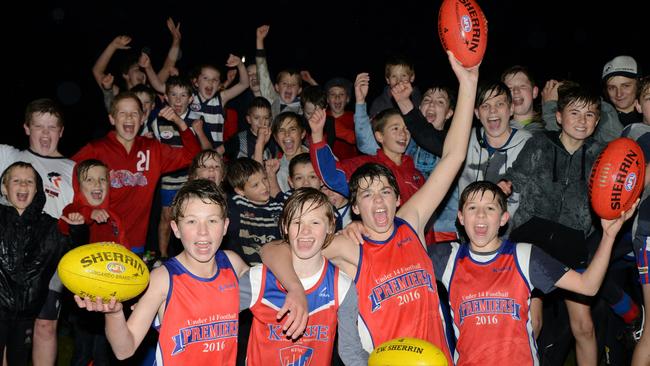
(303,134)
(239,191)
(558,117)
(3,189)
(460,217)
(174,226)
(535,92)
(26,127)
(476,114)
(226,222)
(290,182)
(450,113)
(637,106)
(276,87)
(355,209)
(412,78)
(379,137)
(111,119)
(504,218)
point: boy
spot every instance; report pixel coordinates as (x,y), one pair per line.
(338,92)
(89,220)
(307,225)
(490,280)
(208,164)
(284,94)
(44,124)
(390,131)
(258,116)
(394,250)
(32,246)
(302,173)
(252,211)
(91,204)
(558,165)
(524,91)
(178,95)
(495,145)
(288,132)
(313,97)
(396,70)
(209,100)
(621,82)
(136,163)
(193,297)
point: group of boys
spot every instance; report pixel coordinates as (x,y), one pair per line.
(489,280)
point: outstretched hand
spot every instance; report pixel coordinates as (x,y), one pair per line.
(73,218)
(354,231)
(361,84)
(174,29)
(98,305)
(121,42)
(317,124)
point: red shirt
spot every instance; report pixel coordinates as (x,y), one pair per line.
(134,175)
(345,146)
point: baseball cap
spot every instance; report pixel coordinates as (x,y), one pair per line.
(621,66)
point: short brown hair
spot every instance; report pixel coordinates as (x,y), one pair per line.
(241,170)
(122,96)
(83,167)
(43,105)
(203,189)
(480,187)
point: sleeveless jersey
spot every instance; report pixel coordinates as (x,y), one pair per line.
(490,306)
(397,291)
(214,117)
(201,319)
(267,344)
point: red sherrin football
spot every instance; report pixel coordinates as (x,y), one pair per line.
(617,177)
(462,28)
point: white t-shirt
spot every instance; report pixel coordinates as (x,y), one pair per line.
(56,174)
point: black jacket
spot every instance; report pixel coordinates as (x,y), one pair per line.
(30,248)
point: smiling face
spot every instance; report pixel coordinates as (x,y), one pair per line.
(435,107)
(307,231)
(179,98)
(621,91)
(289,136)
(578,121)
(337,99)
(208,82)
(394,137)
(44,131)
(127,118)
(495,112)
(288,87)
(94,185)
(376,203)
(482,217)
(201,229)
(523,93)
(210,168)
(19,187)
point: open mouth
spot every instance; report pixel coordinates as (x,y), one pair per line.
(97,194)
(381,217)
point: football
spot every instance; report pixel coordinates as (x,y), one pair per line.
(462,28)
(105,270)
(407,352)
(616,179)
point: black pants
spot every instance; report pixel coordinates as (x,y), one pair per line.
(16,335)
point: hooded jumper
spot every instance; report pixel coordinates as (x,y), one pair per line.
(553,183)
(111,230)
(30,248)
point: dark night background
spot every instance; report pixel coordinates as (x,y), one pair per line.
(52,46)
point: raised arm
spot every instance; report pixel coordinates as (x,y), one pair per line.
(322,157)
(145,62)
(423,132)
(366,142)
(266,85)
(99,68)
(242,85)
(174,50)
(423,203)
